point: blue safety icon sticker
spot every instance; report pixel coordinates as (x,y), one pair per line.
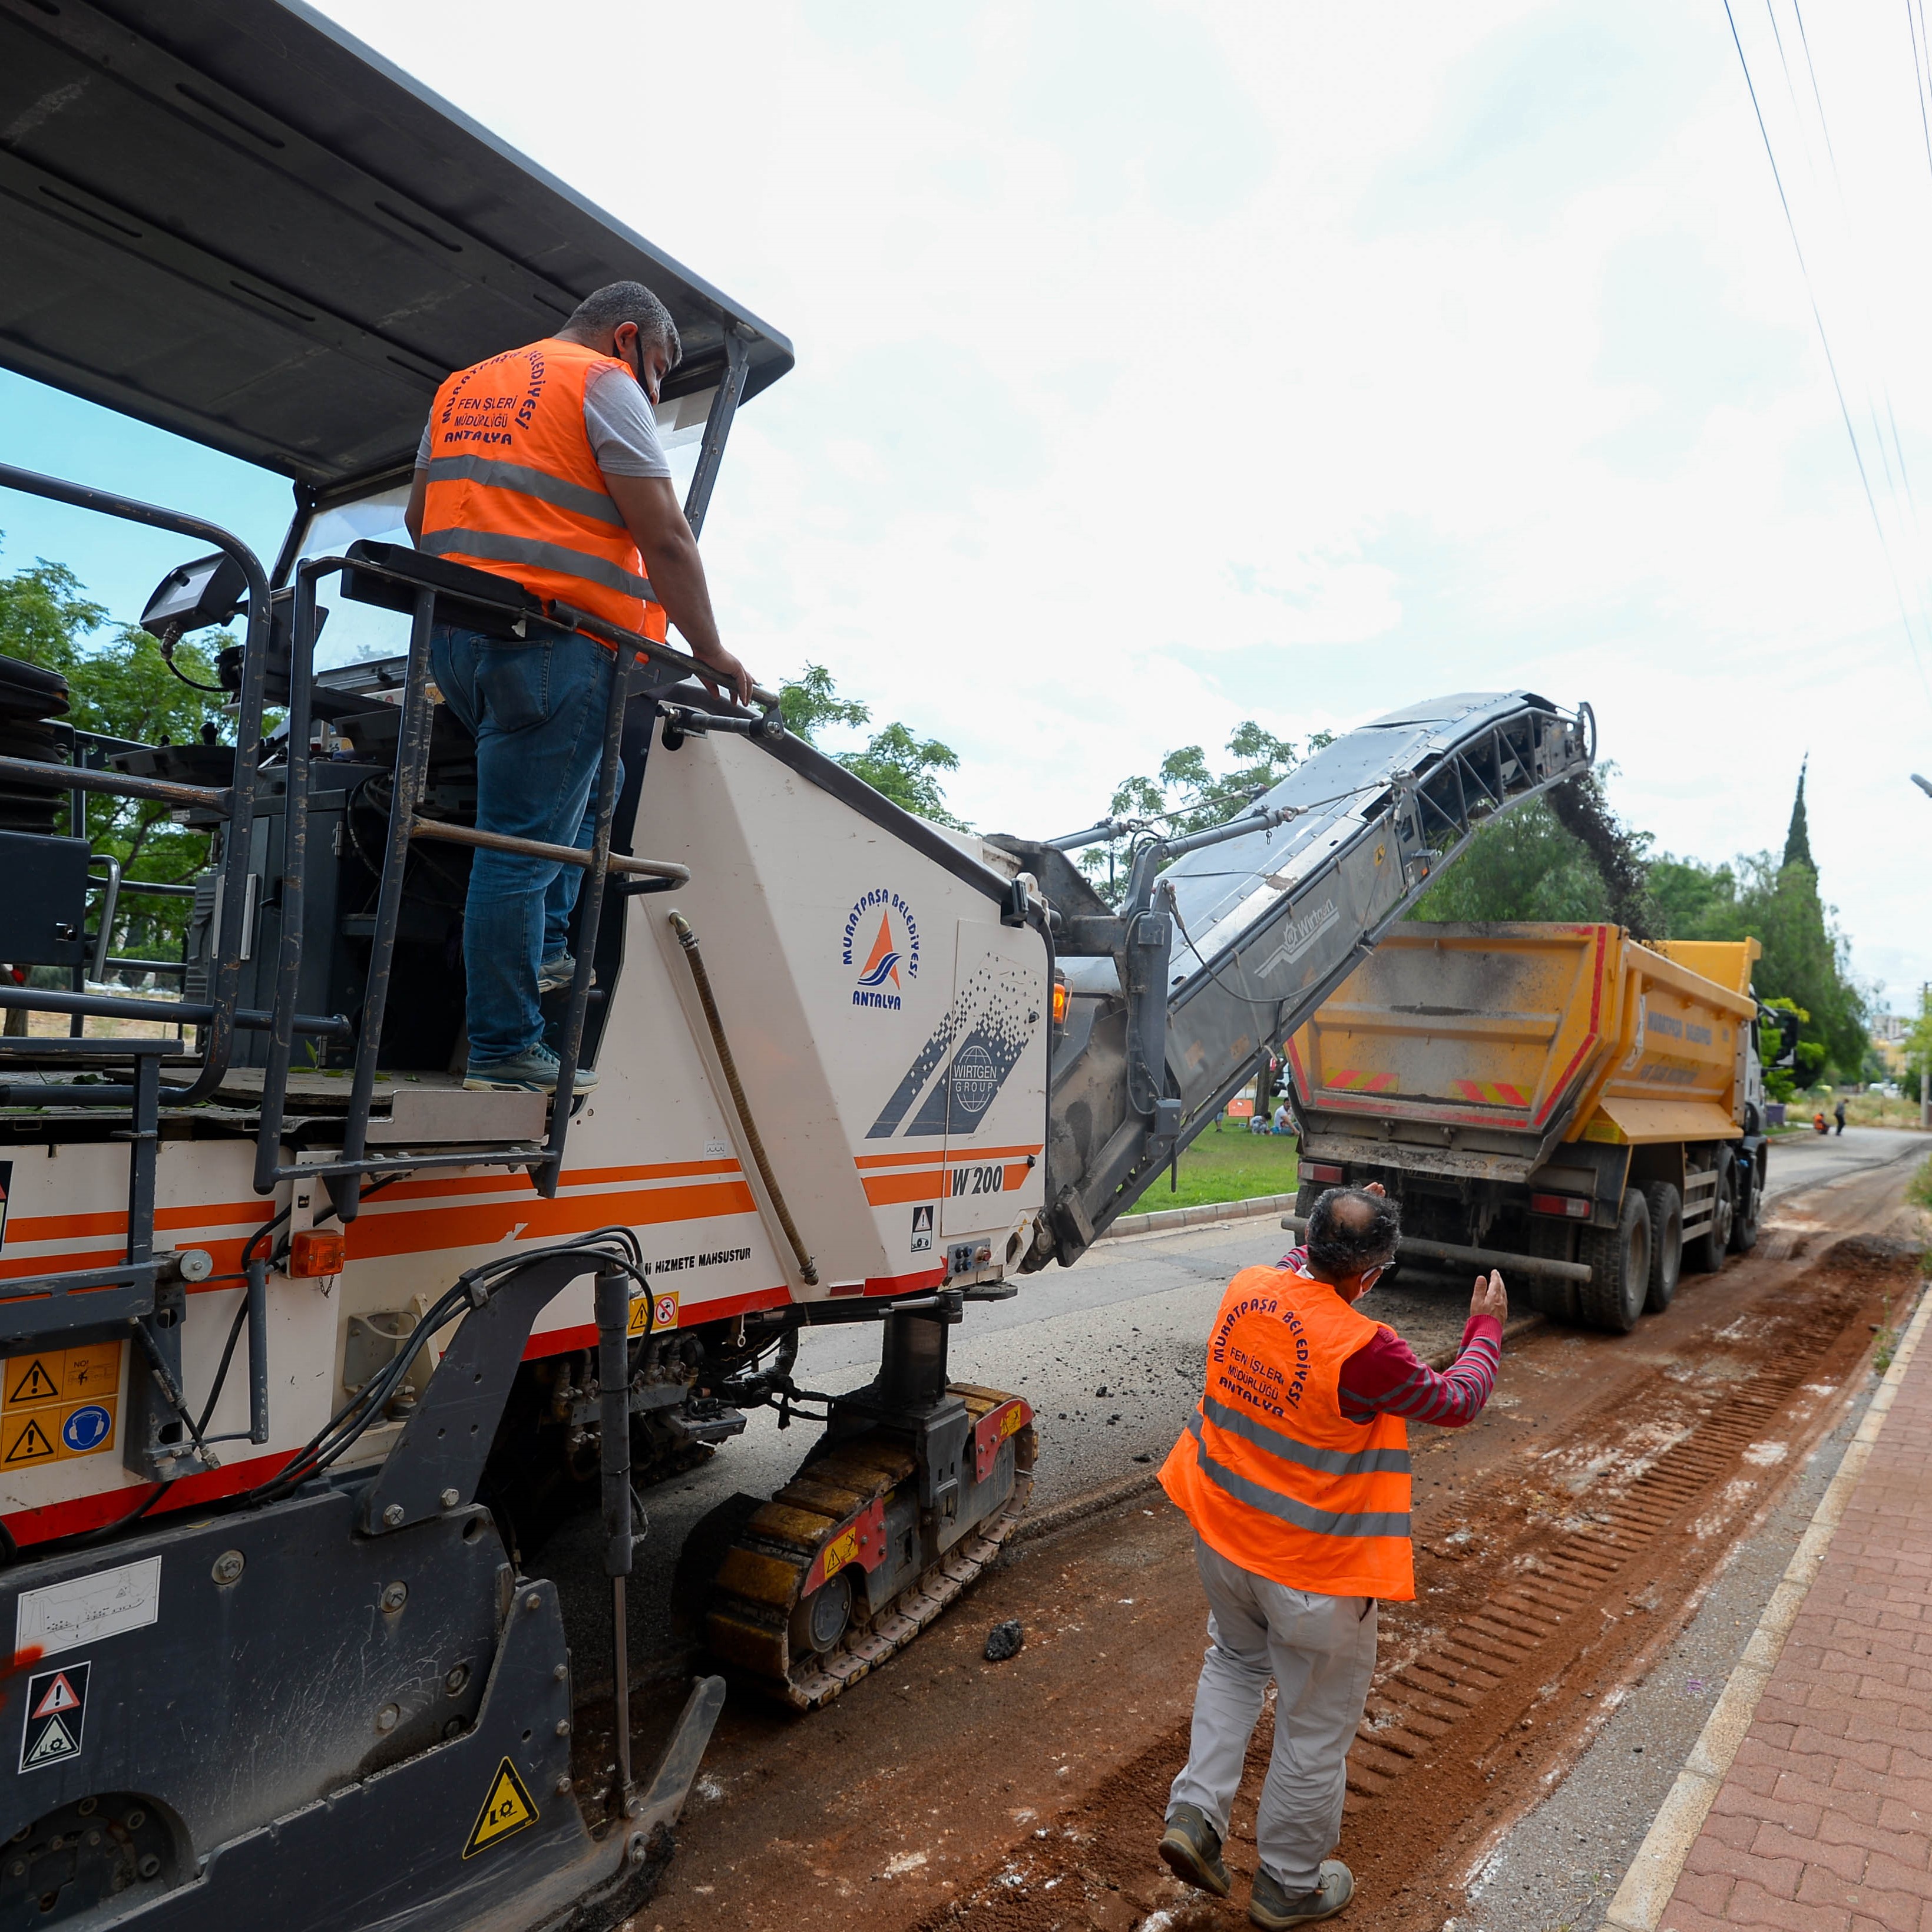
(87,1428)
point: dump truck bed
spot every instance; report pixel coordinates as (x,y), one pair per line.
(1482,1048)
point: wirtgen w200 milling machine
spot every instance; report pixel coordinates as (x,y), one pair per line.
(305,1347)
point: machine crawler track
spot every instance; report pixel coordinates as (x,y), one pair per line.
(835,1517)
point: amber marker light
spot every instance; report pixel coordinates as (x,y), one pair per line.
(317,1251)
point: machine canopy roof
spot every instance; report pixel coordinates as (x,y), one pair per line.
(229,218)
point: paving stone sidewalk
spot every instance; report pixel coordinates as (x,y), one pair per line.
(1823,1822)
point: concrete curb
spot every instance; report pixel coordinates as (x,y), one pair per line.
(1159,1223)
(1645,1890)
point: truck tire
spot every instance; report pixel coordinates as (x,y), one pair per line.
(1743,1219)
(1704,1254)
(1619,1261)
(1667,1244)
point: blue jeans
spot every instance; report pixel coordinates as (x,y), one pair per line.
(537,710)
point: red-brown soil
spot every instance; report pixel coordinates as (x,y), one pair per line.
(1559,1544)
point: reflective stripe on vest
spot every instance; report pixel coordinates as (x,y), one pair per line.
(512,485)
(1323,1523)
(521,477)
(1331,1462)
(1270,1472)
(498,548)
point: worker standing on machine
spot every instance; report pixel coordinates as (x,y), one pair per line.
(1293,1471)
(543,465)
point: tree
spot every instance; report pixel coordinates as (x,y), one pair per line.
(1919,1043)
(119,686)
(895,760)
(1797,837)
(1781,1083)
(1187,796)
(1806,959)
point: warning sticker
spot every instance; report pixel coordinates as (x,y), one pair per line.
(508,1809)
(663,1308)
(58,1402)
(922,1229)
(33,1379)
(56,1713)
(25,1441)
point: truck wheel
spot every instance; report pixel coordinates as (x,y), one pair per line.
(1667,1244)
(1619,1259)
(1704,1254)
(1743,1223)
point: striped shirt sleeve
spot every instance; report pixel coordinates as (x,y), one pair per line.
(1385,1377)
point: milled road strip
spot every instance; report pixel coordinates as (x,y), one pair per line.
(1647,1887)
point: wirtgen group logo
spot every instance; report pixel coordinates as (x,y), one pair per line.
(890,962)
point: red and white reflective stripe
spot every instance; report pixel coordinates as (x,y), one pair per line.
(860,1539)
(992,1429)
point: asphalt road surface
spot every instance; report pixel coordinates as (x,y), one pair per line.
(1109,1353)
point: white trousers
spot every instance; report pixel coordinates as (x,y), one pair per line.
(1321,1652)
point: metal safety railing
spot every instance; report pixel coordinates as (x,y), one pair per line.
(145,1289)
(429,602)
(136,1289)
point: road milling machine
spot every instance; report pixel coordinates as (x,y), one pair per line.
(305,1346)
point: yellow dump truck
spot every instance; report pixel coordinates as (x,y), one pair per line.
(1584,1112)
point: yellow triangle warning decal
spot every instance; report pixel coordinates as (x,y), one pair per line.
(34,1383)
(508,1808)
(30,1445)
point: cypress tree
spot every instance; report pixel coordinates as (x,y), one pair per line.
(1797,839)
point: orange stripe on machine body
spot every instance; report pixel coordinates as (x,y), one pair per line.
(883,1189)
(418,1230)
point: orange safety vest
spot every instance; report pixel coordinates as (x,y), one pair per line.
(1270,1472)
(515,488)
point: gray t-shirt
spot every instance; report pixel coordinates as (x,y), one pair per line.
(618,420)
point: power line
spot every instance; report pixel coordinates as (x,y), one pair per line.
(1831,361)
(1898,445)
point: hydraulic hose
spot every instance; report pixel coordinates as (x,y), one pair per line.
(688,939)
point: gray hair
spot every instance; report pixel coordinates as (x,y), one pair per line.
(601,313)
(1350,1231)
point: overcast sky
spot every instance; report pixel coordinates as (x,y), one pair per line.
(1162,366)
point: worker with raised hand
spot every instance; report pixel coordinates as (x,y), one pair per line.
(543,465)
(1293,1471)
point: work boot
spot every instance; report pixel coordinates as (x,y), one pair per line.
(533,1071)
(554,975)
(1191,1848)
(1272,1907)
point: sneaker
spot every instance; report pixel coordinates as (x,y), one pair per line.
(1191,1848)
(553,976)
(533,1071)
(1273,1908)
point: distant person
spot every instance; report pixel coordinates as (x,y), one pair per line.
(1818,1122)
(1281,1121)
(1294,1472)
(1839,1111)
(1258,1122)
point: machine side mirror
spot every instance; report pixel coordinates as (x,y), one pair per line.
(192,596)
